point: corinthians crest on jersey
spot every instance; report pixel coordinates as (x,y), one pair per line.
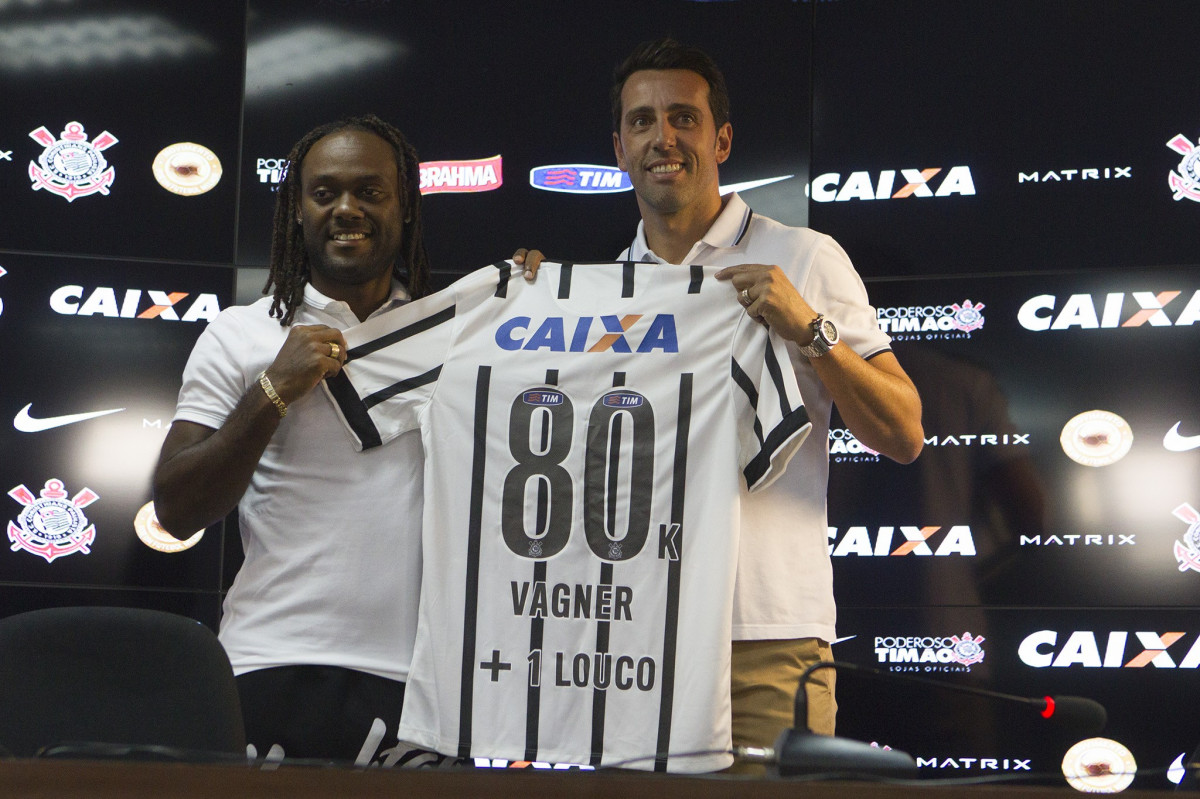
(51,525)
(71,166)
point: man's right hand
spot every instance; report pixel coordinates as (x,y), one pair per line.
(531,260)
(310,354)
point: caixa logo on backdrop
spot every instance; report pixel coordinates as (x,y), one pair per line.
(1119,649)
(884,185)
(173,306)
(1113,310)
(887,542)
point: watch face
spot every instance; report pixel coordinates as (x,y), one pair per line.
(829,332)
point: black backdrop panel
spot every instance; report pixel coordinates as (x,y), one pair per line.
(1026,96)
(1138,664)
(1009,517)
(531,87)
(99,338)
(150,75)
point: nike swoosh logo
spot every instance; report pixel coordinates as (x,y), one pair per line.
(1177,443)
(751,184)
(27,424)
(846,638)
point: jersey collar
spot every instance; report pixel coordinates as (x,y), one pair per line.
(727,231)
(318,301)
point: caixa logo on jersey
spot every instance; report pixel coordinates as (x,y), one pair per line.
(623,334)
(930,653)
(887,542)
(51,525)
(930,322)
(931,182)
(71,166)
(579,179)
(173,306)
(1114,310)
(1118,649)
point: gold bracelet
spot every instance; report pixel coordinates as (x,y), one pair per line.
(265,382)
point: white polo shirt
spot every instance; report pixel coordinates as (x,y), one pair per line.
(784,586)
(332,536)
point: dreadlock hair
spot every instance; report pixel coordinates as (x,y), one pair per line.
(289,258)
(669,54)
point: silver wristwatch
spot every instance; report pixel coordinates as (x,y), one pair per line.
(825,335)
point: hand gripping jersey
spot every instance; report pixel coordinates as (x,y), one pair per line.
(584,436)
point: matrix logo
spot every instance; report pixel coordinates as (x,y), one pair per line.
(1069,175)
(941,653)
(611,334)
(926,322)
(579,179)
(1185,180)
(829,187)
(972,763)
(157,304)
(859,541)
(1090,540)
(980,439)
(1089,650)
(484,174)
(1091,312)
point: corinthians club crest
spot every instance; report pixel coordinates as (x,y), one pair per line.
(51,525)
(1185,182)
(71,166)
(1187,551)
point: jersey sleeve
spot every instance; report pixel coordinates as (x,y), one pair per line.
(392,366)
(772,419)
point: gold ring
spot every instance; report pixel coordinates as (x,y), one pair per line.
(334,350)
(745,297)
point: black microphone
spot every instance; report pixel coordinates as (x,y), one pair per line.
(800,751)
(1075,713)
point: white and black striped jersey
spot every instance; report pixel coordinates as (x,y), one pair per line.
(584,438)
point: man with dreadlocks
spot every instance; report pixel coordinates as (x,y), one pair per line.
(320,621)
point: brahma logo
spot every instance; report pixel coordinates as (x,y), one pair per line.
(1187,551)
(579,179)
(927,322)
(103,302)
(72,167)
(1185,180)
(551,334)
(845,448)
(1092,312)
(1083,648)
(858,541)
(829,187)
(52,526)
(937,654)
(484,174)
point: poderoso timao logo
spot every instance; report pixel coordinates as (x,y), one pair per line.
(71,166)
(928,322)
(928,653)
(52,526)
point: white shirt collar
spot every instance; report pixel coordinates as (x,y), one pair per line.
(725,232)
(318,301)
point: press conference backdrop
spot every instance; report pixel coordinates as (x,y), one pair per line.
(1015,181)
